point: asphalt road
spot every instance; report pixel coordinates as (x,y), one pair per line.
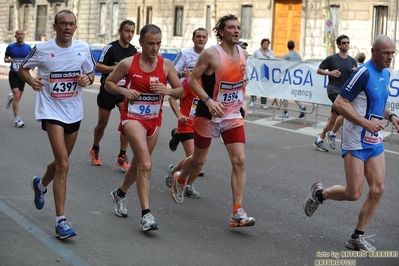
(281,167)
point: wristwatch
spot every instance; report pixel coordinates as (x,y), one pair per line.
(207,99)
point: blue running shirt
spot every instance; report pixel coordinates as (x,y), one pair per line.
(367,89)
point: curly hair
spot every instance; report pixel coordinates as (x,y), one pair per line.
(221,23)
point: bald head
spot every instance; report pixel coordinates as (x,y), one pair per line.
(381,41)
(19,36)
(382,52)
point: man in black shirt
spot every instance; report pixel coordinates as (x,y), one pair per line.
(110,56)
(338,68)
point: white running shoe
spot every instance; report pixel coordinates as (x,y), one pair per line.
(10,98)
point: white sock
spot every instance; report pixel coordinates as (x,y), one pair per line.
(319,140)
(58,218)
(332,134)
(41,187)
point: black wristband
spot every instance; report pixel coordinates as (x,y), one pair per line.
(207,99)
(390,116)
(90,79)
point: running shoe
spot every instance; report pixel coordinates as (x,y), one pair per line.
(320,146)
(19,123)
(312,203)
(38,199)
(123,162)
(95,157)
(174,142)
(191,192)
(177,190)
(64,230)
(201,173)
(120,204)
(360,244)
(148,223)
(331,140)
(241,219)
(10,98)
(168,178)
(302,114)
(285,115)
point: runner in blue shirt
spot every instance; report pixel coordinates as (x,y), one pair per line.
(15,54)
(362,103)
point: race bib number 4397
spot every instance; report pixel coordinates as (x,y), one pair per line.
(63,84)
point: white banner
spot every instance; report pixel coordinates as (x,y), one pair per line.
(299,81)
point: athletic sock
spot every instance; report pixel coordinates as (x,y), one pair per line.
(319,140)
(121,153)
(144,212)
(181,181)
(236,207)
(319,196)
(95,147)
(357,233)
(332,134)
(58,218)
(120,193)
(41,187)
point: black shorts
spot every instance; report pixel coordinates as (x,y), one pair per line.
(15,81)
(107,100)
(68,128)
(185,136)
(333,97)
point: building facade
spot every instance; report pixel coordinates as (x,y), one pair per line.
(312,24)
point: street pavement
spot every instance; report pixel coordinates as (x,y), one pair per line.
(281,165)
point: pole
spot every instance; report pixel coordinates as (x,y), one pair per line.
(395,29)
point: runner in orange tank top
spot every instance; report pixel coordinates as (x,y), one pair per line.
(141,116)
(221,69)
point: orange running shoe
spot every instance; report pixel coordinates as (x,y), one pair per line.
(95,157)
(123,162)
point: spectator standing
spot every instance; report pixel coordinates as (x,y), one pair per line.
(338,68)
(262,52)
(360,57)
(15,54)
(362,102)
(141,115)
(218,113)
(64,67)
(110,56)
(292,56)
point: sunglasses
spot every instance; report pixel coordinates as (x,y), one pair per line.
(345,42)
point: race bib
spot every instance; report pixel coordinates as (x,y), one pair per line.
(193,109)
(63,84)
(16,62)
(373,138)
(230,93)
(147,106)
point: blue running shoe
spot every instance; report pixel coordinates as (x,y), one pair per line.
(39,196)
(64,230)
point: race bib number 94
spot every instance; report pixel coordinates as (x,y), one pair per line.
(63,84)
